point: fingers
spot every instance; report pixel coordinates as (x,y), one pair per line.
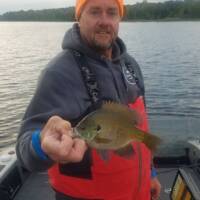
(77,152)
(69,151)
(56,125)
(155,189)
(154,195)
(58,144)
(64,127)
(58,149)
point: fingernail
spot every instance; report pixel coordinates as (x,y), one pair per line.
(70,132)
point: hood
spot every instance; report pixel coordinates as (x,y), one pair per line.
(72,40)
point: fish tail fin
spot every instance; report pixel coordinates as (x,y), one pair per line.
(151,141)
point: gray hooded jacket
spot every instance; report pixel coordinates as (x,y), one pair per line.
(61,90)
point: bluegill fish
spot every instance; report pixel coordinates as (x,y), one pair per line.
(114,127)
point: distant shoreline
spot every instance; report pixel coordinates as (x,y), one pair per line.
(168,11)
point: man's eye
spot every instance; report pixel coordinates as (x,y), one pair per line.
(112,13)
(95,13)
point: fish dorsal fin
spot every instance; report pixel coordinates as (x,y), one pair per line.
(122,111)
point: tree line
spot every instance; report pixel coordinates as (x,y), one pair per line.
(169,10)
(188,9)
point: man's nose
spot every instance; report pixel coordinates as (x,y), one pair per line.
(104,19)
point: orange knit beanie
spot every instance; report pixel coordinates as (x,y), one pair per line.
(81,3)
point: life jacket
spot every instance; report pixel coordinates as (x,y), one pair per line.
(93,178)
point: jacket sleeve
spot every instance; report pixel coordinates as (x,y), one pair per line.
(54,96)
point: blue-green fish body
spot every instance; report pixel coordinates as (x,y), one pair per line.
(114,127)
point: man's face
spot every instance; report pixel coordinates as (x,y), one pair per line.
(99,23)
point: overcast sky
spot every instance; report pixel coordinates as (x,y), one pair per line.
(14,5)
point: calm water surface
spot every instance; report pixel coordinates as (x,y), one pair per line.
(168,53)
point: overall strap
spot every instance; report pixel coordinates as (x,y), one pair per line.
(131,69)
(89,80)
(129,66)
(82,170)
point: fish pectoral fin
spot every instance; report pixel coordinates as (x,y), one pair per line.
(102,140)
(126,151)
(104,154)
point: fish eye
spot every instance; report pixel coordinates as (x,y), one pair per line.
(98,128)
(82,128)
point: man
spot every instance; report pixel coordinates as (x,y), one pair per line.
(93,66)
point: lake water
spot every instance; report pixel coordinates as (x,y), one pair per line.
(168,53)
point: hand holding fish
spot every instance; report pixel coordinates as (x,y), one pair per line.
(58,144)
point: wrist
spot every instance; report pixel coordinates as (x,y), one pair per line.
(153,173)
(36,143)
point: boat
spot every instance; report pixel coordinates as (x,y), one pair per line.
(179,176)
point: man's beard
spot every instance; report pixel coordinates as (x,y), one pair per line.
(100,44)
(102,47)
